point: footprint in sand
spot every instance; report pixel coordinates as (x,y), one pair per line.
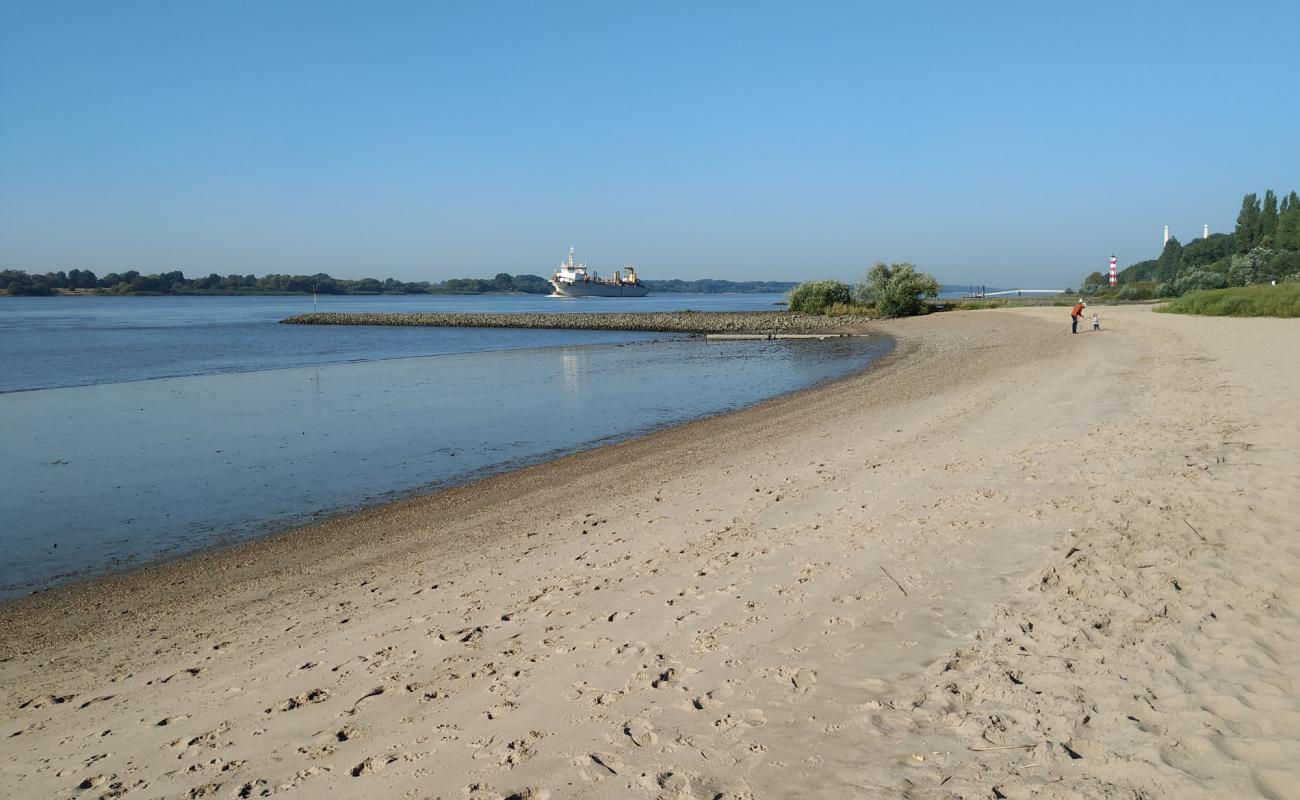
(324,743)
(209,740)
(641,732)
(500,710)
(517,751)
(876,685)
(47,700)
(102,698)
(375,692)
(191,672)
(254,788)
(803,680)
(298,701)
(372,765)
(713,699)
(603,765)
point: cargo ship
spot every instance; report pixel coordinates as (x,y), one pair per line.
(573,280)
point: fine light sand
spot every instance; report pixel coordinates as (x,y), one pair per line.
(1007,562)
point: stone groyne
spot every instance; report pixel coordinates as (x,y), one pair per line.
(660,322)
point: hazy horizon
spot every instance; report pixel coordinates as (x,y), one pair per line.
(1017,145)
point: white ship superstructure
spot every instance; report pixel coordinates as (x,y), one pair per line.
(573,279)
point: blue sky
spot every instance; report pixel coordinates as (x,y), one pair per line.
(1013,144)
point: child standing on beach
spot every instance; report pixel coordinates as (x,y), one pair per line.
(1096,322)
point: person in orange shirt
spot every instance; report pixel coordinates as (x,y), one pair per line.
(1075,313)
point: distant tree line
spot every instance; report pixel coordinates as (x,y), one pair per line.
(17,282)
(132,282)
(1264,247)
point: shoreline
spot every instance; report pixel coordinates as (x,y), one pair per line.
(971,567)
(57,601)
(309,519)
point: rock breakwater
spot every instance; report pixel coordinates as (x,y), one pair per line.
(659,322)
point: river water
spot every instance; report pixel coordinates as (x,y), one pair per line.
(134,429)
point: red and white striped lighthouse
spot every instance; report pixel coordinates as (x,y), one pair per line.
(1113,277)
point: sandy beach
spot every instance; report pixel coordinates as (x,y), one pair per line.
(1004,562)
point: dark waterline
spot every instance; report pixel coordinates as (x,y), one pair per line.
(123,474)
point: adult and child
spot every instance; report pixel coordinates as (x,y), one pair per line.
(1077,312)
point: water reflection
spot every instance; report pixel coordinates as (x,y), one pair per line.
(121,472)
(570,371)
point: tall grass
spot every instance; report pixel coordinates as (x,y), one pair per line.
(1282,300)
(848,309)
(975,304)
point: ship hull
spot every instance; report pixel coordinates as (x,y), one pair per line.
(597,289)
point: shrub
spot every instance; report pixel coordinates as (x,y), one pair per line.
(1143,290)
(1251,268)
(1282,300)
(897,289)
(815,297)
(1199,279)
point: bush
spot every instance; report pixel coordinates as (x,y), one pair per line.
(1143,290)
(1282,300)
(815,297)
(1199,279)
(897,290)
(1251,268)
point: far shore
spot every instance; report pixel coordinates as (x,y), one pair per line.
(1006,561)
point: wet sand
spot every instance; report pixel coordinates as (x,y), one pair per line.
(1006,561)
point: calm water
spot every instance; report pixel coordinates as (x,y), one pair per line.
(133,429)
(48,342)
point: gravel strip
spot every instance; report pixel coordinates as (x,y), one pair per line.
(664,322)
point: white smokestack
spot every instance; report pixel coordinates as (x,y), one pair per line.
(1205,233)
(1166,234)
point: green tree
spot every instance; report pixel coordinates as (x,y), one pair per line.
(1140,272)
(1092,284)
(1268,219)
(1200,252)
(814,297)
(897,290)
(1249,222)
(532,284)
(1288,224)
(1286,265)
(1170,262)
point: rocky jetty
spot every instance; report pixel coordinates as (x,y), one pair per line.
(661,322)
